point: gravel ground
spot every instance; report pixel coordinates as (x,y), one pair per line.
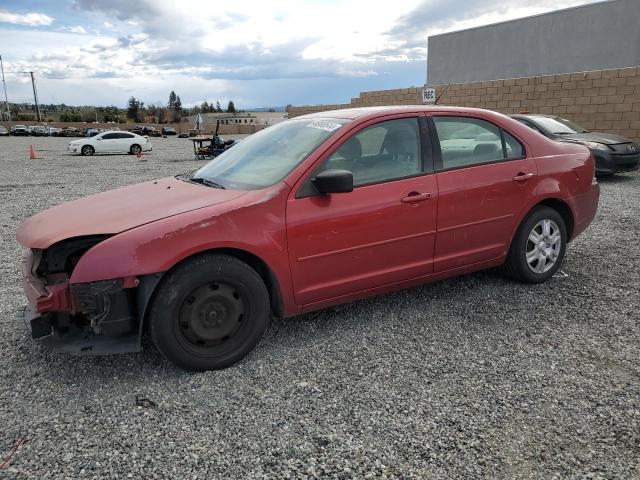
(467,378)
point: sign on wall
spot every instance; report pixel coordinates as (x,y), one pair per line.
(428,95)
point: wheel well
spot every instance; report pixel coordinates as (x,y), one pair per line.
(563,209)
(267,275)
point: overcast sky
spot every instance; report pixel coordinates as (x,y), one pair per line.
(257,53)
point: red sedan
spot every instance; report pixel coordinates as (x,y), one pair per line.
(312,212)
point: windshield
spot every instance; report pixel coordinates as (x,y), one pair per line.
(268,156)
(559,126)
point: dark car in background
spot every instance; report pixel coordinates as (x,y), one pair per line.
(39,131)
(613,153)
(151,132)
(19,130)
(169,131)
(3,132)
(70,132)
(91,132)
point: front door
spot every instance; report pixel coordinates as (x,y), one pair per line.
(484,181)
(380,233)
(108,142)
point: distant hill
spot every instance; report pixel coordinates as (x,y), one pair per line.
(266,109)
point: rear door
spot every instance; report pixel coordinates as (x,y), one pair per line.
(125,140)
(380,233)
(484,179)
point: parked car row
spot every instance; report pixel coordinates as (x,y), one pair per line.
(150,131)
(44,131)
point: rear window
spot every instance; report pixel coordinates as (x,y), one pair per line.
(466,141)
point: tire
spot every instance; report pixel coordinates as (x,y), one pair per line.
(209,312)
(135,149)
(531,262)
(87,150)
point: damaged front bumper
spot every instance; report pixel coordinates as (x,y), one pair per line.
(94,318)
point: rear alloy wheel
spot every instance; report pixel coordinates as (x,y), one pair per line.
(135,149)
(538,248)
(209,312)
(543,246)
(87,150)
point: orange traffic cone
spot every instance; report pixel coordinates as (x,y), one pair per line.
(32,153)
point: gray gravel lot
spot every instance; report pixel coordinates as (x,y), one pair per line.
(467,378)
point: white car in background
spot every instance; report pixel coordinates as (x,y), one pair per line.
(110,142)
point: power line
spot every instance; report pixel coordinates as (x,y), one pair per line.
(6,100)
(33,85)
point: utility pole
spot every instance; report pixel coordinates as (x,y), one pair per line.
(35,96)
(6,101)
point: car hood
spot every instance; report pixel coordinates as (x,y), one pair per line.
(599,137)
(115,211)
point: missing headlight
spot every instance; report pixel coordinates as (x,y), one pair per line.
(63,256)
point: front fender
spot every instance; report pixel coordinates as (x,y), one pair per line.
(253,223)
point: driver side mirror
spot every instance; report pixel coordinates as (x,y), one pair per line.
(333,181)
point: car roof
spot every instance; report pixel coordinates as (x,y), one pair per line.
(532,115)
(356,113)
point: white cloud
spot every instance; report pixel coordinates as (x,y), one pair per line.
(29,19)
(78,29)
(146,46)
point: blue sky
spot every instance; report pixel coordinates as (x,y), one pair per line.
(257,53)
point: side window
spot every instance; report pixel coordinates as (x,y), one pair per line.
(513,148)
(531,125)
(110,136)
(384,151)
(125,135)
(470,141)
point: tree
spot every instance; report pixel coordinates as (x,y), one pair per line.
(172,99)
(218,107)
(205,108)
(175,106)
(133,108)
(231,108)
(111,114)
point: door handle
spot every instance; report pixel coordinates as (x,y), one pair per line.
(414,197)
(523,177)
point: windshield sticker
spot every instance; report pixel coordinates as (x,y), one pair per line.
(327,125)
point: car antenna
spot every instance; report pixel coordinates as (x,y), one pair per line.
(441,93)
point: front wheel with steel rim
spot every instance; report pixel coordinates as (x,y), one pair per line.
(538,247)
(209,312)
(135,149)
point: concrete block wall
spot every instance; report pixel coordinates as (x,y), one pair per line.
(602,100)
